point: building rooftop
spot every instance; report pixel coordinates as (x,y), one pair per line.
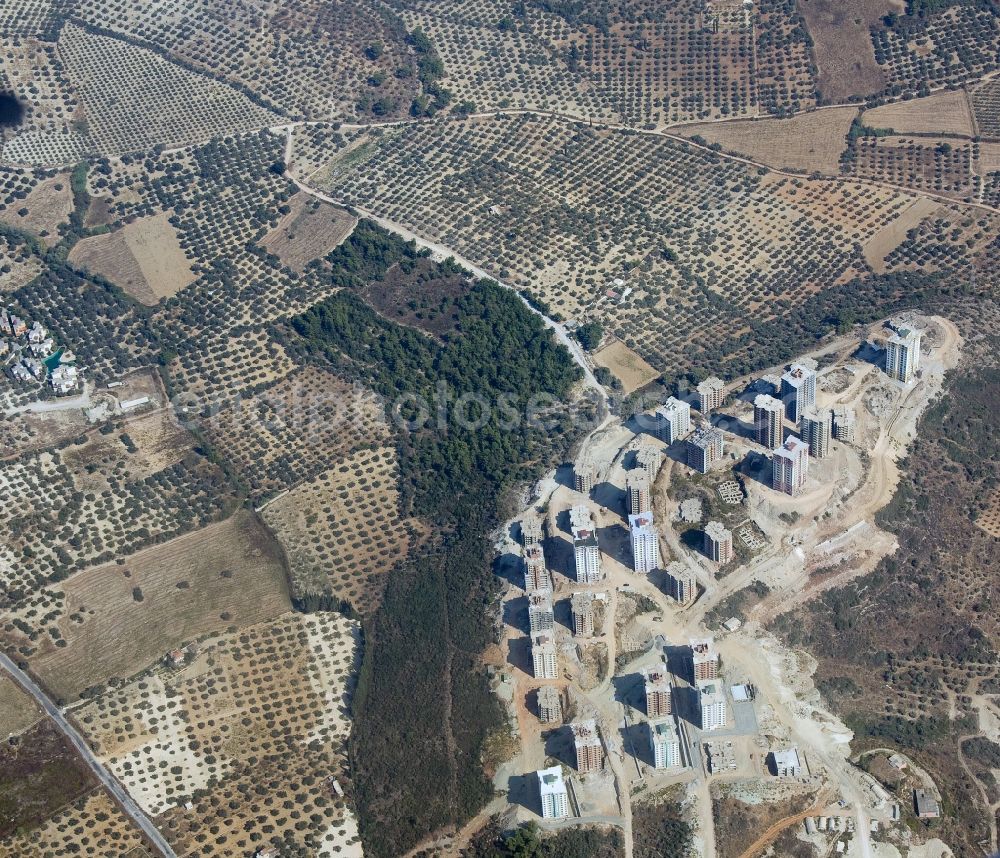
(581,602)
(717,531)
(710,384)
(705,436)
(585,731)
(673,404)
(550,781)
(817,415)
(664,729)
(640,521)
(792,447)
(580,519)
(765,400)
(787,759)
(797,374)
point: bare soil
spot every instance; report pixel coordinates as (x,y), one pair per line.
(627,366)
(309,231)
(942,113)
(228,574)
(144,258)
(808,142)
(17,710)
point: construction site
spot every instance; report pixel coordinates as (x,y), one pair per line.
(672,664)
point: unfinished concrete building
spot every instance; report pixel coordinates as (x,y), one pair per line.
(536,575)
(541,617)
(531,531)
(637,492)
(704,659)
(658,691)
(711,392)
(704,449)
(718,543)
(768,420)
(844,423)
(582,612)
(549,705)
(584,476)
(587,744)
(649,459)
(817,429)
(681,583)
(790,466)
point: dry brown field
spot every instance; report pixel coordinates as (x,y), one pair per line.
(48,205)
(342,531)
(310,230)
(630,369)
(807,142)
(843,47)
(17,710)
(92,826)
(144,258)
(226,575)
(940,113)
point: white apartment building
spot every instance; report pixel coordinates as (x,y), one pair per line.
(645,543)
(675,419)
(664,744)
(790,466)
(711,704)
(586,553)
(798,390)
(553,794)
(544,663)
(902,354)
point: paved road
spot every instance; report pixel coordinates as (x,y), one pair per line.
(121,796)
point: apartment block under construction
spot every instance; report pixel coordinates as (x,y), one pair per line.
(704,659)
(536,575)
(704,449)
(816,428)
(582,610)
(584,476)
(637,492)
(768,420)
(682,586)
(718,543)
(659,693)
(549,705)
(711,392)
(587,744)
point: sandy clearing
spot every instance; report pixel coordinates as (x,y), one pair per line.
(810,141)
(627,366)
(942,112)
(154,244)
(887,239)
